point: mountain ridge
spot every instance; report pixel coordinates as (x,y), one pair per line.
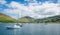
(27,19)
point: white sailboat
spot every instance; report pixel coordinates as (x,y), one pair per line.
(15,26)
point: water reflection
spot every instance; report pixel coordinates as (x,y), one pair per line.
(32,29)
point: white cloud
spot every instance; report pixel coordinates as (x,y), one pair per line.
(34,9)
(2,2)
(58,1)
(30,0)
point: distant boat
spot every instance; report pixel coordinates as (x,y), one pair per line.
(19,24)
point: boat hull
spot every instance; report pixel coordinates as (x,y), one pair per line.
(13,28)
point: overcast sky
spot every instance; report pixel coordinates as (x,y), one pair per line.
(32,8)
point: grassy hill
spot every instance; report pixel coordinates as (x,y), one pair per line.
(6,19)
(26,19)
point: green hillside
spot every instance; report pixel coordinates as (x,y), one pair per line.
(54,19)
(6,19)
(26,19)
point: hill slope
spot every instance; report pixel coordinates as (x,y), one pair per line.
(6,19)
(26,19)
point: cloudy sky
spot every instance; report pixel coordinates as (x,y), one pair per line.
(32,8)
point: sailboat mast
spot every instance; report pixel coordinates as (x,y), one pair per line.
(18,18)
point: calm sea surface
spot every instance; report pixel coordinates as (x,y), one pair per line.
(31,29)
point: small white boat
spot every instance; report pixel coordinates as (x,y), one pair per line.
(13,27)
